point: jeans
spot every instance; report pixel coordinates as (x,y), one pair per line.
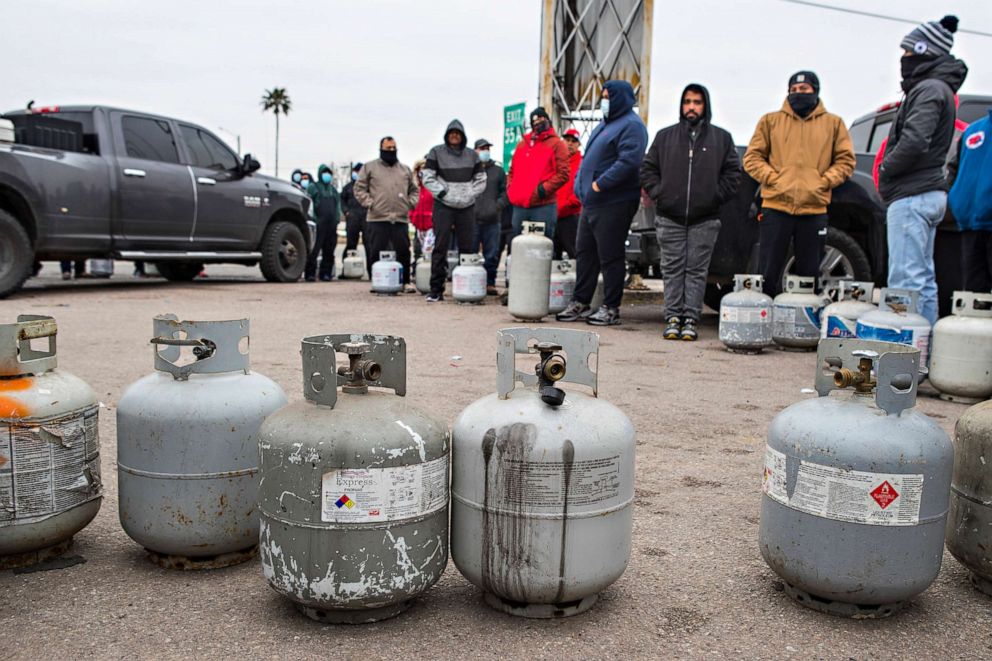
(450,225)
(911,227)
(601,246)
(388,235)
(685,263)
(547,214)
(488,235)
(777,229)
(976,247)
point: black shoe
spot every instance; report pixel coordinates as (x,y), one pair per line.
(604,316)
(310,278)
(325,278)
(434,298)
(673,329)
(574,312)
(689,333)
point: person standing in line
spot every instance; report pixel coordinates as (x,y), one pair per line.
(970,172)
(538,169)
(488,211)
(421,216)
(354,212)
(326,210)
(798,155)
(690,170)
(455,177)
(297,178)
(912,178)
(607,184)
(569,206)
(386,188)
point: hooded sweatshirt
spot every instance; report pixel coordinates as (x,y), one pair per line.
(454,175)
(614,153)
(326,202)
(921,134)
(690,170)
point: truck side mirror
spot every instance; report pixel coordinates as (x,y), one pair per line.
(250,164)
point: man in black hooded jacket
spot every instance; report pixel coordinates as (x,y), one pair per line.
(690,170)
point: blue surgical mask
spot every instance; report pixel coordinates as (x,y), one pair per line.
(354,176)
(296,178)
(304,183)
(484,156)
(604,105)
(326,177)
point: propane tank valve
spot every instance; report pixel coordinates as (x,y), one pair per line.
(862,380)
(359,371)
(550,369)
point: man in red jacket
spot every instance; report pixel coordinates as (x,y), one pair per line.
(539,168)
(569,206)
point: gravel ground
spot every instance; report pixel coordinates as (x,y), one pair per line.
(696,585)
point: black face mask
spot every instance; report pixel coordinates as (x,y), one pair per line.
(803,103)
(388,157)
(541,126)
(694,120)
(909,64)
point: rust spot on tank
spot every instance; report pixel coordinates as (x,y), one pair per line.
(12,385)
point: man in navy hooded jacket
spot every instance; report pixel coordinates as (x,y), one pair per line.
(609,188)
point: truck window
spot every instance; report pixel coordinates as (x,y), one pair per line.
(150,139)
(880,133)
(860,134)
(206,151)
(91,142)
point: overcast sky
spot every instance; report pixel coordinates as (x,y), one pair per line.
(356,71)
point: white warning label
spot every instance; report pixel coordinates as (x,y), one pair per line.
(543,485)
(762,315)
(361,495)
(877,499)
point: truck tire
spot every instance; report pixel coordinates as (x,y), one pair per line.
(16,255)
(843,258)
(284,252)
(179,271)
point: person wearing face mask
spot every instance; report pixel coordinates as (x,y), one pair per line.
(911,177)
(569,206)
(488,211)
(354,212)
(798,155)
(297,178)
(538,169)
(386,188)
(326,210)
(690,170)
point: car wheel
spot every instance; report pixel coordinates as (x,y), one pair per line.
(16,255)
(179,271)
(284,252)
(843,259)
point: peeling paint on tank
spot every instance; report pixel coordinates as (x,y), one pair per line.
(417,438)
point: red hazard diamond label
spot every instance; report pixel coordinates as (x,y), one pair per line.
(884,494)
(764,313)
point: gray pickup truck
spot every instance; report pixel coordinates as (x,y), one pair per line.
(95,182)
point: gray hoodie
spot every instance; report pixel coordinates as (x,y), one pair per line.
(454,175)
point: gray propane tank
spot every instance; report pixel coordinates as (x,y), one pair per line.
(353,498)
(961,362)
(856,488)
(422,274)
(531,279)
(387,274)
(452,258)
(896,320)
(50,485)
(352,266)
(187,447)
(796,314)
(969,524)
(542,481)
(562,285)
(468,281)
(746,316)
(840,319)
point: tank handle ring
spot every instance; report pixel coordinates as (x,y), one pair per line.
(320,373)
(17,357)
(582,348)
(220,341)
(896,367)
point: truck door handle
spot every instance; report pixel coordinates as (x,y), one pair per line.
(131,172)
(206,181)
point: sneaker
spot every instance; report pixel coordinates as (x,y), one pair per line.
(689,333)
(325,278)
(574,312)
(310,278)
(491,290)
(604,316)
(434,298)
(409,289)
(67,276)
(673,330)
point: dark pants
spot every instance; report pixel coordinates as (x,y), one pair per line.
(807,234)
(327,241)
(601,246)
(388,235)
(354,226)
(977,254)
(448,223)
(79,266)
(565,234)
(488,236)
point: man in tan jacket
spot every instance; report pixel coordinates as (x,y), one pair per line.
(798,155)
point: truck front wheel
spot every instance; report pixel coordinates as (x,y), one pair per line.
(16,255)
(284,252)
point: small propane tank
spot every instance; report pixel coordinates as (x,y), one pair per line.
(840,319)
(961,362)
(562,285)
(531,280)
(452,262)
(354,492)
(896,320)
(387,274)
(969,524)
(746,316)
(422,274)
(856,487)
(101,268)
(50,485)
(468,282)
(796,314)
(352,266)
(187,447)
(543,481)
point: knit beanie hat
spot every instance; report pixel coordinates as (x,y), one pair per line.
(539,112)
(805,77)
(933,38)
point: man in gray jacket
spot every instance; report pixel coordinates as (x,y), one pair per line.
(455,176)
(386,188)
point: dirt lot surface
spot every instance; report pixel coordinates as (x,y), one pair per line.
(696,585)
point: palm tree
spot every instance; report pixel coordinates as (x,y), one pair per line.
(278,102)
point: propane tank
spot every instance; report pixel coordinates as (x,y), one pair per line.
(468,283)
(387,274)
(543,481)
(896,320)
(796,314)
(562,285)
(746,316)
(353,498)
(50,485)
(422,274)
(969,524)
(961,363)
(840,319)
(452,263)
(352,266)
(187,447)
(531,281)
(856,487)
